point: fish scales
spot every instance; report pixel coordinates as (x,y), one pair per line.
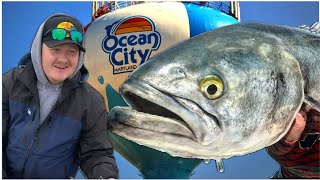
(227,92)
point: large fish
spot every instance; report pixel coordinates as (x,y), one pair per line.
(224,93)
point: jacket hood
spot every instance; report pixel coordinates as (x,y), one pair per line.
(36,53)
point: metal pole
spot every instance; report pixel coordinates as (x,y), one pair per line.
(93,9)
(232,8)
(238,11)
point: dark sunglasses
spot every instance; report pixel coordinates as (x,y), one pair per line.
(60,34)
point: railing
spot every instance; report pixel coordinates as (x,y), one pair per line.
(231,8)
(114,5)
(314,28)
(218,5)
(100,7)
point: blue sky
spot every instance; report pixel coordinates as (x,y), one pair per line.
(20,21)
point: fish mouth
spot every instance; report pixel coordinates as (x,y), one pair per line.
(148,105)
(158,120)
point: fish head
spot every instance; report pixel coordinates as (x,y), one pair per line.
(224,93)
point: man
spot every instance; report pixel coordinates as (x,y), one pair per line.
(53,121)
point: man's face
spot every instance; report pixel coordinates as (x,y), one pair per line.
(59,62)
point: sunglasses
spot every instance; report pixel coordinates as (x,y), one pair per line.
(61,34)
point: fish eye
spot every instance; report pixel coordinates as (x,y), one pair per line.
(211,87)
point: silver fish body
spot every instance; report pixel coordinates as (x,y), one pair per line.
(224,93)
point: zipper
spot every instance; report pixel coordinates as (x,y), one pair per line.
(32,143)
(29,151)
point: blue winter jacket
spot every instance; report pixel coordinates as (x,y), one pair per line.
(74,133)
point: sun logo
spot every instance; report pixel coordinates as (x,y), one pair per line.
(67,26)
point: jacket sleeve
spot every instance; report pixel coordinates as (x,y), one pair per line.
(5,124)
(281,147)
(96,153)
